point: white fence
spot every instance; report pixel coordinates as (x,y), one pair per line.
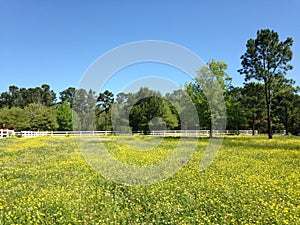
(6,133)
(179,133)
(29,134)
(200,132)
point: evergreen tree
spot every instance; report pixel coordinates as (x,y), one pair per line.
(266,59)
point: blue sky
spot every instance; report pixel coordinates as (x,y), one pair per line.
(54,42)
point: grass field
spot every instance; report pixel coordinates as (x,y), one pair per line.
(251,181)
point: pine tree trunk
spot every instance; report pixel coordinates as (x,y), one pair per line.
(286,121)
(268,102)
(269,120)
(253,126)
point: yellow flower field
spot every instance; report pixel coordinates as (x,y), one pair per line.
(251,181)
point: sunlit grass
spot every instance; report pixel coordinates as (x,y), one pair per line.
(252,180)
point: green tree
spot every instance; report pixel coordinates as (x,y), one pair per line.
(48,96)
(105,101)
(5,100)
(64,116)
(11,98)
(23,97)
(68,96)
(182,106)
(236,113)
(283,101)
(295,118)
(147,111)
(84,104)
(197,95)
(16,117)
(15,96)
(208,92)
(34,95)
(253,102)
(266,59)
(142,111)
(120,114)
(41,117)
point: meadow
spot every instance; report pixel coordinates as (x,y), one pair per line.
(252,180)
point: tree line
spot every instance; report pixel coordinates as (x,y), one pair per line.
(266,102)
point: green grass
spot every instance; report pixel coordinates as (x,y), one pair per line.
(251,181)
